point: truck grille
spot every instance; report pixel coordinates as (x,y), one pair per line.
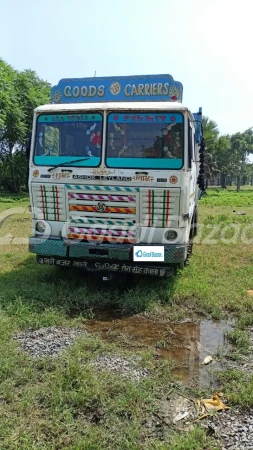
(106,213)
(103,216)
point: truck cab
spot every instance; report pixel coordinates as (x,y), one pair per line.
(113,177)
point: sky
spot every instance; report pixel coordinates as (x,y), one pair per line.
(205,44)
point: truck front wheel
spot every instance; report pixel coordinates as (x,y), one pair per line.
(194,224)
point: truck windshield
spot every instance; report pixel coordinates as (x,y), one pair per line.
(62,137)
(145,140)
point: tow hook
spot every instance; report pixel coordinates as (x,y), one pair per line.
(108,277)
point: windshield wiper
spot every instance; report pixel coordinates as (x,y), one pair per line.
(67,163)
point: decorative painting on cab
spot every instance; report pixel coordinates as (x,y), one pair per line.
(152,140)
(69,138)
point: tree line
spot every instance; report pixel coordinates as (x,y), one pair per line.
(226,156)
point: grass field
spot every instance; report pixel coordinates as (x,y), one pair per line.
(52,403)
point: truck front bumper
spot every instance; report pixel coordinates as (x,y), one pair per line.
(107,257)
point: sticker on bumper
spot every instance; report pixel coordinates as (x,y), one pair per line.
(149,253)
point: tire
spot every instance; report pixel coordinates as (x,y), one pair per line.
(194,225)
(193,233)
(181,265)
(185,263)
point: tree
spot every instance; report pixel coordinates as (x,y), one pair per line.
(211,133)
(226,154)
(32,92)
(241,147)
(222,156)
(20,93)
(249,173)
(211,168)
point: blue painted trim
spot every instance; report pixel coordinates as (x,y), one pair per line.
(159,117)
(47,246)
(144,163)
(94,161)
(72,118)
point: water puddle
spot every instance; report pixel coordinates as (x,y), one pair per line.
(187,343)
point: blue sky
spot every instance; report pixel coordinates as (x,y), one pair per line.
(205,44)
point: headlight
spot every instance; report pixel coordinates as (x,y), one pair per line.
(40,227)
(170,235)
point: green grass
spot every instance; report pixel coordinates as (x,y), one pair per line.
(240,340)
(64,403)
(229,197)
(58,400)
(238,388)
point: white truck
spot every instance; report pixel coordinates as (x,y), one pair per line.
(115,175)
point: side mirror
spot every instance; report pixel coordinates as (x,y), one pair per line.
(28,145)
(190,149)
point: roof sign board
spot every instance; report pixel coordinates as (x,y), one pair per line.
(141,88)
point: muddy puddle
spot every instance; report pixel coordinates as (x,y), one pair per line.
(187,343)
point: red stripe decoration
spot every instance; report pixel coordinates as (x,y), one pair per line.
(108,209)
(57,202)
(43,202)
(149,207)
(167,207)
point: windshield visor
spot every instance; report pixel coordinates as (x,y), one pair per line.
(62,137)
(145,140)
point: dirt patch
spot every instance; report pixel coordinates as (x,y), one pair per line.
(177,411)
